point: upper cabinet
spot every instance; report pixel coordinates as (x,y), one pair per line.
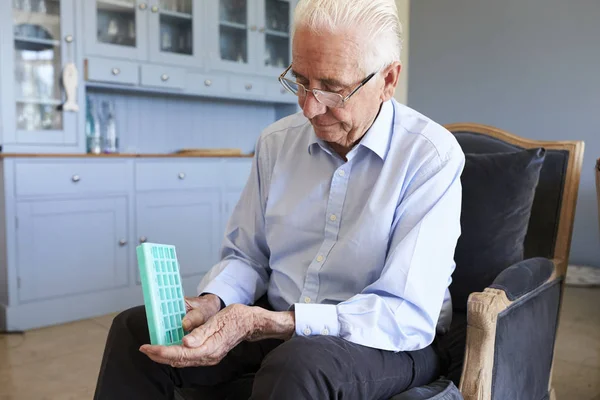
(116,28)
(39,77)
(250,36)
(158,31)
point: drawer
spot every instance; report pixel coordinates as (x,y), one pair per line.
(171,175)
(167,77)
(206,84)
(112,71)
(249,86)
(55,178)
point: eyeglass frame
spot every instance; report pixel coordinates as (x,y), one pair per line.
(306,90)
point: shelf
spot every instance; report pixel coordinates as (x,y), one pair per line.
(234,25)
(49,42)
(277,33)
(123,155)
(49,102)
(175,14)
(35,18)
(115,6)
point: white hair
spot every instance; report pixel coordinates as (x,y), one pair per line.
(375,21)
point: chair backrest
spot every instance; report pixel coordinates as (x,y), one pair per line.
(553,212)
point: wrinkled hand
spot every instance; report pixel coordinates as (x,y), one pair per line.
(208,343)
(199,310)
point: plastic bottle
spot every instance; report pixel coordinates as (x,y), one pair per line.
(92,128)
(111,141)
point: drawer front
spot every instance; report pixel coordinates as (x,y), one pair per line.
(174,175)
(112,71)
(249,86)
(167,77)
(55,178)
(207,84)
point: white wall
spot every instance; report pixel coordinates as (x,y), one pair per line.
(404,13)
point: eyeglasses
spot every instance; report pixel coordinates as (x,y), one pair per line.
(329,99)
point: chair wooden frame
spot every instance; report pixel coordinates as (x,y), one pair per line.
(483,308)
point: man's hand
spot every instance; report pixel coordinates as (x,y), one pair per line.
(209,343)
(199,310)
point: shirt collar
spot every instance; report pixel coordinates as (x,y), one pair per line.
(376,139)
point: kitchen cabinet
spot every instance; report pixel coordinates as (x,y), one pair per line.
(35,52)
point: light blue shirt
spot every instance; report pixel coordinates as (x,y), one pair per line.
(361,249)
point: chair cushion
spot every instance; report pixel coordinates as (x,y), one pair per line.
(498,193)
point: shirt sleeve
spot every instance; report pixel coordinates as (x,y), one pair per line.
(242,275)
(400,310)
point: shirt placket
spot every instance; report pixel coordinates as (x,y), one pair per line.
(333,214)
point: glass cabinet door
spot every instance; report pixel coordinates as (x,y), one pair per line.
(116,28)
(174,32)
(275,21)
(43,45)
(235,35)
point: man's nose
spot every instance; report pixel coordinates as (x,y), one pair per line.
(312,107)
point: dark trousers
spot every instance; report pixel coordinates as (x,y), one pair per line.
(319,367)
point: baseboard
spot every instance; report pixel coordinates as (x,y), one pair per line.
(582,276)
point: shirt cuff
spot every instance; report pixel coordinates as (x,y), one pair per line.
(316,319)
(226,293)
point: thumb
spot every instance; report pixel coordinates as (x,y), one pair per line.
(194,319)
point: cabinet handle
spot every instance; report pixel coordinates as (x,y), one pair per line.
(253,28)
(116,71)
(75,178)
(208,82)
(143,6)
(122,242)
(262,30)
(154,9)
(143,239)
(164,77)
(181,176)
(69,38)
(249,86)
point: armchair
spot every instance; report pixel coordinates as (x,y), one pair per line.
(519,201)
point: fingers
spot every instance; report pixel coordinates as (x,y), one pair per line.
(199,335)
(194,318)
(179,357)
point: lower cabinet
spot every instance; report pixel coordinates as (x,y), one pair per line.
(187,219)
(71,246)
(72,227)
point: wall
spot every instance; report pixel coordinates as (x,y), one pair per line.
(402,88)
(526,66)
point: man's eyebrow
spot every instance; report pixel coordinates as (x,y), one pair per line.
(327,81)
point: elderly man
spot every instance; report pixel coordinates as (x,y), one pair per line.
(337,259)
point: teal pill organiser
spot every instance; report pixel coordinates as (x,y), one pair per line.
(163,293)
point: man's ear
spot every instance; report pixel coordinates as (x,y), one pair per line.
(391,76)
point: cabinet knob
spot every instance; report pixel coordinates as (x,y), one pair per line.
(143,6)
(143,239)
(181,176)
(164,77)
(69,38)
(75,178)
(154,9)
(122,242)
(116,71)
(262,30)
(253,28)
(208,82)
(249,86)
(283,91)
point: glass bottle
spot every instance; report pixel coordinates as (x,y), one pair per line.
(111,141)
(92,128)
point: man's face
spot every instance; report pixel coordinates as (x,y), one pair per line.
(329,62)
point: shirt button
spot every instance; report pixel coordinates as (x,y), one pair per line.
(325,332)
(306,331)
(307,300)
(333,217)
(320,258)
(342,173)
